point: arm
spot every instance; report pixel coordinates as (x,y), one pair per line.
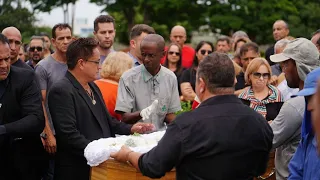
(187,91)
(124,104)
(64,118)
(296,164)
(174,105)
(285,124)
(50,141)
(160,159)
(170,117)
(30,102)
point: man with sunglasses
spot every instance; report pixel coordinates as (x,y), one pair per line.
(14,37)
(36,50)
(298,59)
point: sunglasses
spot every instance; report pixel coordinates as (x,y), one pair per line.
(38,48)
(203,52)
(176,53)
(264,75)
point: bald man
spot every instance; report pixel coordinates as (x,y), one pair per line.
(178,35)
(14,37)
(149,93)
(280,31)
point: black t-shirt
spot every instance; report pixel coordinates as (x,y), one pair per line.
(241,83)
(269,52)
(189,75)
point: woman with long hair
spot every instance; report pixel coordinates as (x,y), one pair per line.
(174,61)
(188,78)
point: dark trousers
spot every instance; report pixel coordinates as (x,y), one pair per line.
(22,159)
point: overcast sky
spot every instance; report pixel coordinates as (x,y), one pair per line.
(84,9)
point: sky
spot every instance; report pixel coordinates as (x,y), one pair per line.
(84,9)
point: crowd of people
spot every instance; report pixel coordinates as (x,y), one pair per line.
(248,110)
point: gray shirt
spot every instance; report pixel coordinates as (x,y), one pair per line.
(287,129)
(138,89)
(49,71)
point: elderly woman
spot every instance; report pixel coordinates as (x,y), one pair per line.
(112,68)
(261,95)
(188,78)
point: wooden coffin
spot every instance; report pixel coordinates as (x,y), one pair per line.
(114,170)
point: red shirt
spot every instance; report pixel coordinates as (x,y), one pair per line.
(187,56)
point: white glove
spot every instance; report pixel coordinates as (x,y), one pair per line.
(145,113)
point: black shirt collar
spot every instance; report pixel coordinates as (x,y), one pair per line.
(221,99)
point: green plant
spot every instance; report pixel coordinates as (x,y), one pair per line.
(185,107)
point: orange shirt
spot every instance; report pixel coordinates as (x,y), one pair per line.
(187,56)
(109,93)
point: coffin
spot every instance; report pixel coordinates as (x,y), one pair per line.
(114,170)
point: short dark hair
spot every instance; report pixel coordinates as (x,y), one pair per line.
(138,29)
(249,46)
(218,72)
(60,26)
(81,48)
(199,46)
(4,39)
(103,19)
(224,38)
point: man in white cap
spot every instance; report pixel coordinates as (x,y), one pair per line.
(298,59)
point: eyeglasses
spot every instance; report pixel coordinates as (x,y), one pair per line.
(176,53)
(97,62)
(264,75)
(38,48)
(203,52)
(144,55)
(12,41)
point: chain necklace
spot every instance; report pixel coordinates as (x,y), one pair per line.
(91,95)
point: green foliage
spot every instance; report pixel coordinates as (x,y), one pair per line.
(186,106)
(256,17)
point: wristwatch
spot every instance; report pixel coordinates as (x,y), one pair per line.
(43,135)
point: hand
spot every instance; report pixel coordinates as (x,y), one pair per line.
(142,128)
(50,144)
(274,80)
(121,155)
(146,112)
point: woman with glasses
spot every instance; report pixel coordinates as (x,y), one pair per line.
(174,60)
(261,95)
(188,78)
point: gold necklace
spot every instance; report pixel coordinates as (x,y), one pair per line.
(91,95)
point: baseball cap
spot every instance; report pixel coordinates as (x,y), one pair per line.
(303,52)
(300,49)
(310,84)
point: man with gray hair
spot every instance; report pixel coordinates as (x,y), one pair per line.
(36,50)
(278,48)
(298,59)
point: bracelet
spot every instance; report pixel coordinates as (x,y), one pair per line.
(128,155)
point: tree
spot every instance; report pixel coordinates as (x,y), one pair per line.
(12,14)
(48,5)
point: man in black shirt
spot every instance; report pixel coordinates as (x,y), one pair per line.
(21,121)
(14,37)
(221,139)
